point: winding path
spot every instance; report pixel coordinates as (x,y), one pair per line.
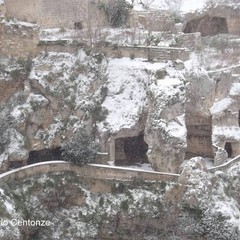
(89,171)
(99,171)
(226,165)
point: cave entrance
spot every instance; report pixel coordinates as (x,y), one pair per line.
(130,150)
(78,26)
(44,155)
(208,26)
(228,148)
(232,149)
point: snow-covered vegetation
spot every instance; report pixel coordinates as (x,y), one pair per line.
(204,203)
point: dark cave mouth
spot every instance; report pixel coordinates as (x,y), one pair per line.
(228,149)
(131,150)
(208,26)
(44,155)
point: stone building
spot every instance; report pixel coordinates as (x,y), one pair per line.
(62,13)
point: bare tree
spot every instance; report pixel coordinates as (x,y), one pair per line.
(146,3)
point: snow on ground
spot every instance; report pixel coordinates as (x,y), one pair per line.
(16,145)
(55,34)
(119,36)
(20,112)
(226,132)
(184,5)
(143,166)
(140,166)
(19,23)
(127,92)
(177,128)
(219,106)
(235,89)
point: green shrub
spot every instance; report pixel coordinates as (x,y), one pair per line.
(98,113)
(124,205)
(160,74)
(116,11)
(81,149)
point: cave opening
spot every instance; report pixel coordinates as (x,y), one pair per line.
(228,148)
(44,155)
(208,26)
(131,150)
(78,26)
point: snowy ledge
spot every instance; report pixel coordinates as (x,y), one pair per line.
(133,169)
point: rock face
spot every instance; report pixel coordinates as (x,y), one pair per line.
(114,98)
(152,104)
(225,112)
(200,206)
(165,110)
(215,20)
(207,25)
(18,39)
(200,97)
(165,130)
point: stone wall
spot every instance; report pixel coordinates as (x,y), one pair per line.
(2,9)
(52,13)
(150,53)
(18,41)
(199,136)
(200,97)
(151,20)
(89,171)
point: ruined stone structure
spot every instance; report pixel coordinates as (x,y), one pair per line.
(226,115)
(221,19)
(213,116)
(152,20)
(199,136)
(198,119)
(18,41)
(50,13)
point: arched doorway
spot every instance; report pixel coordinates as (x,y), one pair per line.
(130,150)
(208,26)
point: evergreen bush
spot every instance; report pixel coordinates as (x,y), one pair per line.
(80,149)
(116,11)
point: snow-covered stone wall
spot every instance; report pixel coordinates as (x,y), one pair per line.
(51,13)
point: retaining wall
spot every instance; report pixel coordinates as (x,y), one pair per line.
(18,41)
(150,53)
(89,171)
